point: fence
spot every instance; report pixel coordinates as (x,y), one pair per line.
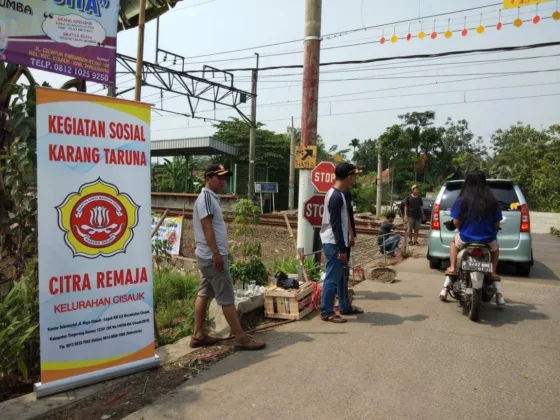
(365,253)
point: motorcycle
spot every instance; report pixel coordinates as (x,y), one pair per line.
(472,284)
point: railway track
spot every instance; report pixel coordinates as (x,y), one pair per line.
(363,227)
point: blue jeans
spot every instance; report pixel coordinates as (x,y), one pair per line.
(391,243)
(334,280)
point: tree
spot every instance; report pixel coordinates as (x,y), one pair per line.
(366,155)
(414,125)
(531,158)
(354,143)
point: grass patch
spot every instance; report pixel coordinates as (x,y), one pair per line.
(174,297)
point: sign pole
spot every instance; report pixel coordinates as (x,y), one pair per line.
(140,50)
(311,59)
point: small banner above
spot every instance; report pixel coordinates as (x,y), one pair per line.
(512,4)
(76,39)
(170,230)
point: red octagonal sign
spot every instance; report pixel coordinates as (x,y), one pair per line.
(322,176)
(313,210)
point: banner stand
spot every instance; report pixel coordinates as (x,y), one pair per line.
(43,390)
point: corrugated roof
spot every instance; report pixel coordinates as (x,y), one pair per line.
(201,146)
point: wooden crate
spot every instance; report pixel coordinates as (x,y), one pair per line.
(288,304)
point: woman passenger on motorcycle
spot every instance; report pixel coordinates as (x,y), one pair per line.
(477,215)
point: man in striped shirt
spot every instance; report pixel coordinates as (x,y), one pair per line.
(334,236)
(210,234)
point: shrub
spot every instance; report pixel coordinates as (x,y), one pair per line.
(249,270)
(19,321)
(289,265)
(174,298)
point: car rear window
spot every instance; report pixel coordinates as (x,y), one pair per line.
(503,191)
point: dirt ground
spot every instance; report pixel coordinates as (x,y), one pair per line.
(275,241)
(141,389)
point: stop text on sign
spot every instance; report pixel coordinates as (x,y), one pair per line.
(313,210)
(324,177)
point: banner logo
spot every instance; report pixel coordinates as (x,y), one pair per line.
(98,220)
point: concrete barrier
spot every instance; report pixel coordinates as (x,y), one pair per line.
(177,200)
(542,222)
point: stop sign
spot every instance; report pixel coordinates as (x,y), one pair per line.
(322,176)
(313,210)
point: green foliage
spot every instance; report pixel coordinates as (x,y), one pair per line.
(248,270)
(249,267)
(160,252)
(531,158)
(19,321)
(174,298)
(18,202)
(555,231)
(290,265)
(245,215)
(364,196)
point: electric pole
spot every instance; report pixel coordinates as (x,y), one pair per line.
(292,177)
(311,60)
(253,132)
(379,186)
(140,50)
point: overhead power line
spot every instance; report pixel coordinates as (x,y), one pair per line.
(333,47)
(405,107)
(325,99)
(347,32)
(423,106)
(409,57)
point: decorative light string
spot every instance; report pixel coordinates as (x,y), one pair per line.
(479,28)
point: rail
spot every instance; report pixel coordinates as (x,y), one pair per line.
(363,227)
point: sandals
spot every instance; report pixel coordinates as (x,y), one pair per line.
(450,272)
(335,319)
(495,277)
(355,311)
(203,342)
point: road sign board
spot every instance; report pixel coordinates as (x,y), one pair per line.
(322,176)
(514,4)
(313,210)
(306,157)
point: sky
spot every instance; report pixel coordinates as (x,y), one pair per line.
(365,107)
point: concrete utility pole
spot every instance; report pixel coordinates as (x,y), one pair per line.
(253,133)
(379,185)
(140,50)
(292,178)
(311,60)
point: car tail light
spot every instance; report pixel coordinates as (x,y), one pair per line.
(477,252)
(525,220)
(435,217)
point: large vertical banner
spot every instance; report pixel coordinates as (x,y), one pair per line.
(77,38)
(95,269)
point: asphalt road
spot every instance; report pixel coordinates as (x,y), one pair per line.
(408,357)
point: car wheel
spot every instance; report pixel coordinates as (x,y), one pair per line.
(435,264)
(523,270)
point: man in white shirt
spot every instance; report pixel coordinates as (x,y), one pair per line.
(210,234)
(334,236)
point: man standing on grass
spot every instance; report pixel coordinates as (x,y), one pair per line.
(334,236)
(210,234)
(351,238)
(413,214)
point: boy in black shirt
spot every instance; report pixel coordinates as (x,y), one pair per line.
(388,243)
(413,213)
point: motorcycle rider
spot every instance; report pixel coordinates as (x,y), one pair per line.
(477,215)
